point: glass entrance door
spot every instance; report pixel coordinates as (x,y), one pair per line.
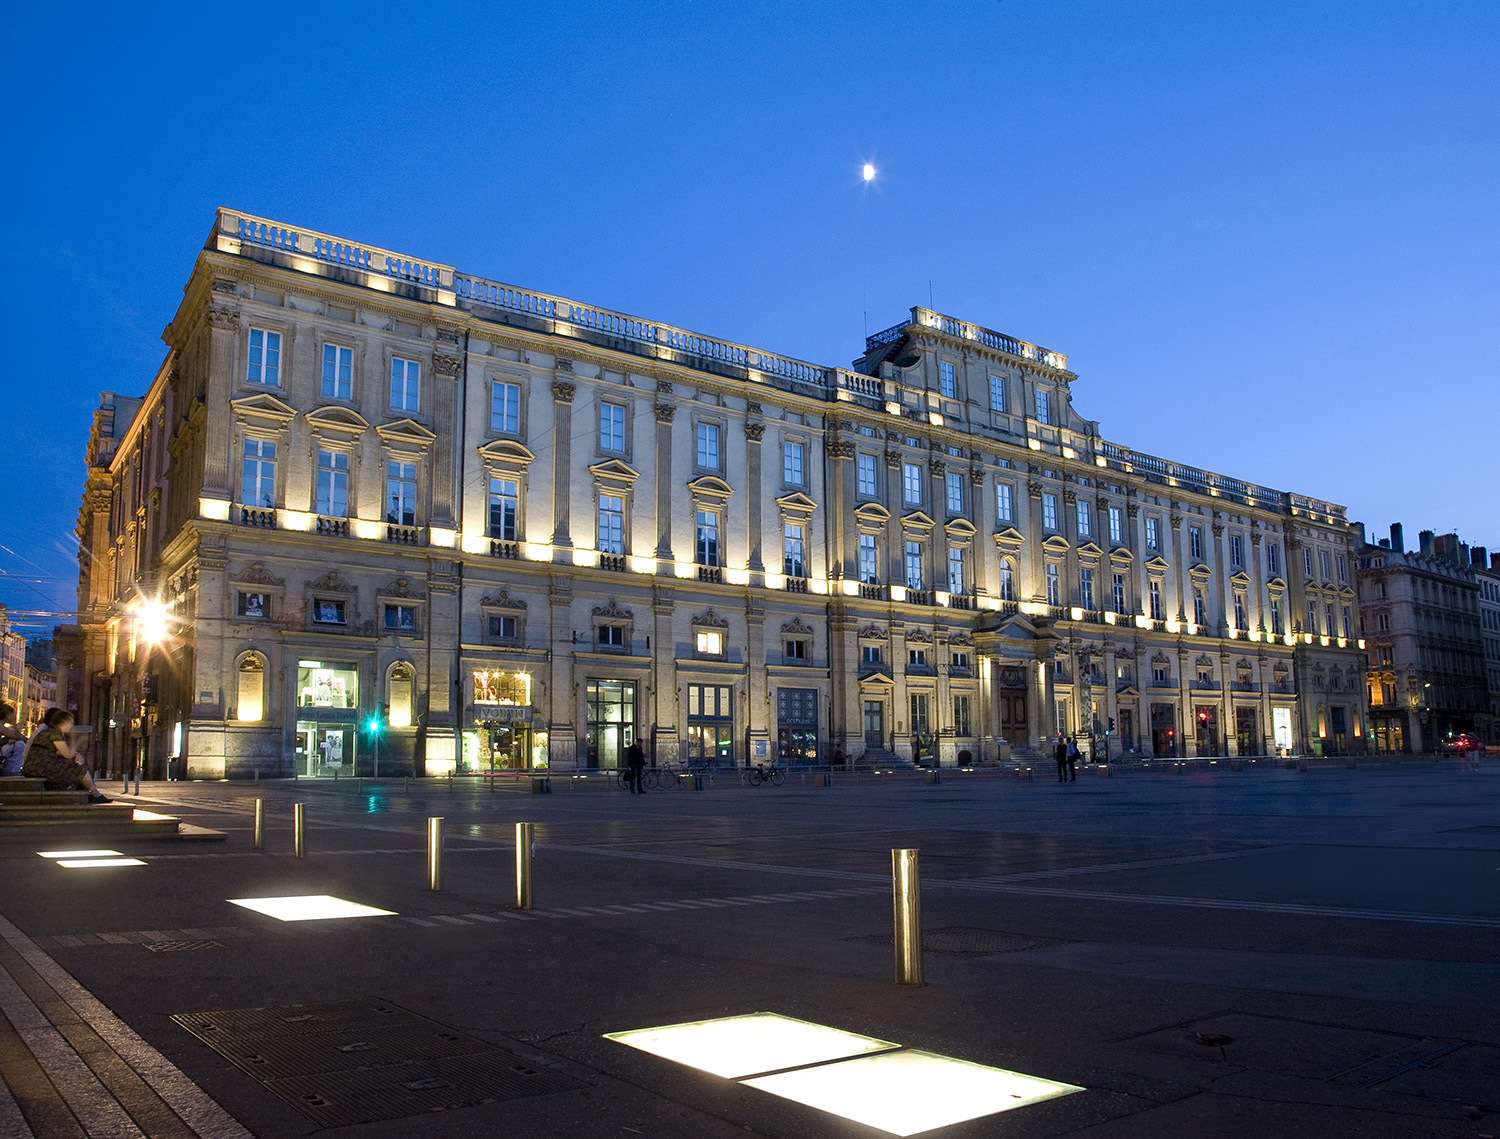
(874,723)
(611,722)
(325,749)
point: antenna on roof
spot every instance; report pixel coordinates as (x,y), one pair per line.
(929,292)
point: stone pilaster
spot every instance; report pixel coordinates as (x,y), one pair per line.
(754,432)
(562,470)
(664,560)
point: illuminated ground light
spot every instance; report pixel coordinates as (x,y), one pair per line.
(738,1046)
(310,907)
(90,863)
(908,1092)
(79,853)
(141,816)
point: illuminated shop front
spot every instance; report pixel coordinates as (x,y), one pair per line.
(503,735)
(327,718)
(611,722)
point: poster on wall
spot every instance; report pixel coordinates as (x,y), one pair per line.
(1281,727)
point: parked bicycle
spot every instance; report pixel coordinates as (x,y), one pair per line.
(667,777)
(760,773)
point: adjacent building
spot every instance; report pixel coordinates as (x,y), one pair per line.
(375,512)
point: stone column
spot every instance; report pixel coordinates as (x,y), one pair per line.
(1179,565)
(664,480)
(444,684)
(843,560)
(754,432)
(223,351)
(984,523)
(562,470)
(1187,717)
(846,714)
(1111,701)
(936,571)
(1257,615)
(1221,572)
(1136,595)
(667,705)
(446,383)
(760,714)
(1034,541)
(895,538)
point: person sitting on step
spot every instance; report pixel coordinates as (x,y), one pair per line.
(51,759)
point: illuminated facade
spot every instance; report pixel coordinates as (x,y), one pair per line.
(520,531)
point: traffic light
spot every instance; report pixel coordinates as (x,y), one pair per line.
(1203,715)
(1111,725)
(374,724)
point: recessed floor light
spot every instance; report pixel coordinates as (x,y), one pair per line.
(79,853)
(737,1046)
(310,907)
(911,1091)
(140,816)
(85,863)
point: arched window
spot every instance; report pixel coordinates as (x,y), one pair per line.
(251,701)
(1007,580)
(398,692)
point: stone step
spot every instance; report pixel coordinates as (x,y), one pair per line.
(9,797)
(20,783)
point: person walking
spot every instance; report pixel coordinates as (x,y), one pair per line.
(51,759)
(12,742)
(635,758)
(1060,757)
(1073,755)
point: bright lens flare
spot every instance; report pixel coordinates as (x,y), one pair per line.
(152,619)
(869,172)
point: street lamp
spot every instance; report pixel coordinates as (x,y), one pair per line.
(152,628)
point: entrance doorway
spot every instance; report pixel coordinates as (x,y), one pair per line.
(1127,729)
(611,722)
(1247,731)
(1163,730)
(1206,716)
(874,724)
(1013,727)
(325,749)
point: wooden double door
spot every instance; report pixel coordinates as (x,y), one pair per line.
(1014,728)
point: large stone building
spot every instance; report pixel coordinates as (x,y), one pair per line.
(517,530)
(1421,614)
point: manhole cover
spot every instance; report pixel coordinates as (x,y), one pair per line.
(182,946)
(338,1099)
(298,1019)
(966,941)
(271,1057)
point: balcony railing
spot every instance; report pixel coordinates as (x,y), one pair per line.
(403,535)
(961,601)
(615,562)
(919,596)
(871,592)
(1244,686)
(795,584)
(251,516)
(711,574)
(504,549)
(1204,685)
(338,527)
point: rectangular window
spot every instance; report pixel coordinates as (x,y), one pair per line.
(1085,520)
(708,642)
(914,565)
(611,427)
(706,538)
(504,509)
(1153,534)
(611,524)
(265,358)
(401,493)
(1054,585)
(1236,551)
(792,473)
(792,563)
(611,636)
(258,478)
(911,484)
(505,408)
(326,612)
(1004,510)
(955,571)
(997,393)
(1343,569)
(1200,608)
(921,720)
(1116,526)
(1043,407)
(1273,559)
(1323,564)
(1307,562)
(1159,676)
(869,566)
(1348,623)
(1312,617)
(708,446)
(794,651)
(959,661)
(1049,511)
(1156,610)
(400,618)
(955,485)
(1329,628)
(1276,625)
(338,371)
(871,654)
(333,484)
(1119,592)
(1195,543)
(1241,622)
(406,385)
(254,605)
(1086,588)
(962,726)
(503,628)
(866,472)
(946,382)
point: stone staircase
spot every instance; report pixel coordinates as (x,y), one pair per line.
(30,814)
(881,757)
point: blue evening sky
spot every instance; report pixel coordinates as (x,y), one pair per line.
(1266,234)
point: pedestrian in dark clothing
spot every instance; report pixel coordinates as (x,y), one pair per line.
(1060,755)
(635,759)
(1073,755)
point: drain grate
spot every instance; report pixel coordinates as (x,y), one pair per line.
(338,1099)
(358,1061)
(967,941)
(182,946)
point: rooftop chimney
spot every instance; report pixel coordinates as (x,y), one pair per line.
(1398,540)
(1385,543)
(1495,561)
(1479,556)
(1424,540)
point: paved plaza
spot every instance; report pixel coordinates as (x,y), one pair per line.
(1211,952)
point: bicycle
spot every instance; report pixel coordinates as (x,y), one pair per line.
(760,773)
(649,781)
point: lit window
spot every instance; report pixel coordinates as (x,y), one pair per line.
(265,358)
(1007,580)
(955,485)
(911,484)
(251,690)
(327,612)
(946,381)
(1276,625)
(1049,511)
(1241,621)
(505,408)
(1119,592)
(504,509)
(1003,500)
(1043,407)
(869,567)
(258,479)
(866,476)
(400,618)
(792,561)
(333,484)
(401,494)
(398,691)
(709,643)
(1116,526)
(1156,610)
(1054,585)
(1153,536)
(1086,587)
(1200,608)
(611,427)
(955,571)
(406,385)
(997,393)
(338,371)
(254,605)
(611,524)
(913,565)
(792,473)
(708,446)
(707,538)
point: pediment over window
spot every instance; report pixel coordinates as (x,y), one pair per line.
(960,532)
(917,520)
(401,587)
(1200,573)
(506,453)
(330,582)
(501,600)
(614,473)
(1056,545)
(1276,583)
(1157,564)
(796,628)
(1089,550)
(613,612)
(406,431)
(871,632)
(710,620)
(710,488)
(1016,627)
(342,420)
(960,638)
(796,503)
(1010,538)
(878,680)
(1121,556)
(256,574)
(871,515)
(1240,579)
(264,407)
(1128,690)
(918,636)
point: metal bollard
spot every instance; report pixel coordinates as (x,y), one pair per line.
(360,785)
(137,780)
(523,866)
(299,820)
(906,896)
(435,852)
(450,781)
(406,783)
(260,824)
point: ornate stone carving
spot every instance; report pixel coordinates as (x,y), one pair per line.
(223,319)
(447,367)
(976,476)
(840,449)
(796,628)
(1070,497)
(892,457)
(755,431)
(960,638)
(870,631)
(1218,529)
(501,600)
(256,574)
(664,387)
(665,412)
(564,365)
(753,408)
(562,391)
(1255,539)
(1176,518)
(1132,509)
(223,286)
(919,636)
(613,612)
(448,338)
(710,620)
(401,587)
(1034,488)
(937,467)
(330,582)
